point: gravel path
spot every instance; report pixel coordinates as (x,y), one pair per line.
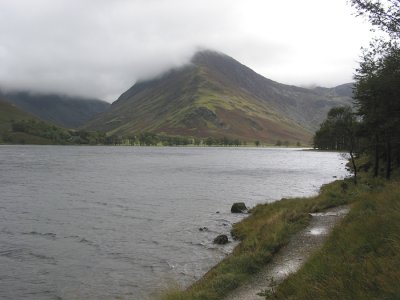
(290,258)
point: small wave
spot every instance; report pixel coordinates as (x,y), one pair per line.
(225,221)
(6,231)
(25,254)
(49,259)
(201,244)
(82,240)
(85,241)
(11,253)
(48,235)
(71,236)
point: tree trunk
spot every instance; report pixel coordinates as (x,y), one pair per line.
(352,159)
(376,164)
(354,166)
(388,159)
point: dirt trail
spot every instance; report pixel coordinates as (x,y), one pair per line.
(290,258)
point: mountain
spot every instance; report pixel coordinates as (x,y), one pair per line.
(343,90)
(65,111)
(217,96)
(20,127)
(10,113)
(9,116)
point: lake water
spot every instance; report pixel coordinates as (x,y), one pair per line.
(123,222)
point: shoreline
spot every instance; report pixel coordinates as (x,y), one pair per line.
(267,229)
(292,256)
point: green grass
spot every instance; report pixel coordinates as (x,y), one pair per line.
(262,234)
(361,259)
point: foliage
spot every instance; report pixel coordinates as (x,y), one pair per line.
(152,139)
(28,131)
(338,131)
(284,143)
(376,94)
(383,14)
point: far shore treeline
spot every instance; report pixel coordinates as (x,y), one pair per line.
(22,132)
(33,131)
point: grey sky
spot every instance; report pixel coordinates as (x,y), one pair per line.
(99,48)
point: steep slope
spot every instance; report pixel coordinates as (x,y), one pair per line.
(20,127)
(70,112)
(217,96)
(9,115)
(343,90)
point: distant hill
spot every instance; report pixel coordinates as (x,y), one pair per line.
(217,96)
(343,90)
(20,127)
(9,115)
(65,111)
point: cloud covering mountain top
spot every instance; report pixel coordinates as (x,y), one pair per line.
(99,48)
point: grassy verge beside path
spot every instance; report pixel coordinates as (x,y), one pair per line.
(361,259)
(263,233)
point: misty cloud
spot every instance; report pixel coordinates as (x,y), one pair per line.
(99,48)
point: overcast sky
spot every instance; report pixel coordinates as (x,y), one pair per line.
(99,48)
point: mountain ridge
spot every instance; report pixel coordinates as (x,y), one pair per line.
(216,96)
(62,110)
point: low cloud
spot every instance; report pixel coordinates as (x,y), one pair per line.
(99,48)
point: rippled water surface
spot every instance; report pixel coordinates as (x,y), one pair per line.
(122,222)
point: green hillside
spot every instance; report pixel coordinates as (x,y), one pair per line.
(9,115)
(217,96)
(61,110)
(19,127)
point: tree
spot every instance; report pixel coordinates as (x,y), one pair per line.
(339,132)
(377,95)
(383,14)
(377,88)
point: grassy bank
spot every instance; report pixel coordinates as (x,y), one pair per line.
(361,259)
(262,234)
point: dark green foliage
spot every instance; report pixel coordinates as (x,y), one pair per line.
(376,130)
(377,96)
(338,131)
(377,88)
(153,139)
(383,14)
(53,134)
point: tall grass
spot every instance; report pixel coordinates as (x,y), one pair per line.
(361,259)
(262,234)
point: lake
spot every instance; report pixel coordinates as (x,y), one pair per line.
(123,222)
